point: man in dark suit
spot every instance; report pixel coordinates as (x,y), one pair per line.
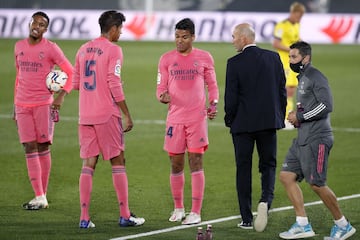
(255,103)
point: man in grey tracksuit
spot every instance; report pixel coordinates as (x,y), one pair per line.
(307,158)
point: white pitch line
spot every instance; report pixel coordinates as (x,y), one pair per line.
(224,219)
(162,122)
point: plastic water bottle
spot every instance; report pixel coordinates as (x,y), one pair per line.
(208,234)
(200,235)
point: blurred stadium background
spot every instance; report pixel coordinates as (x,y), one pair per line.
(323,6)
(326,21)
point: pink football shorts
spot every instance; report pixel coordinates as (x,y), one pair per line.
(34,124)
(106,138)
(179,137)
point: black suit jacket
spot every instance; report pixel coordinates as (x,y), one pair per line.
(255,94)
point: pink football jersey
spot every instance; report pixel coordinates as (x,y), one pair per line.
(33,63)
(186,78)
(97,77)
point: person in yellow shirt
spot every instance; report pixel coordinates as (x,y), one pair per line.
(286,33)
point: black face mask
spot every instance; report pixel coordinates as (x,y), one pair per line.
(296,67)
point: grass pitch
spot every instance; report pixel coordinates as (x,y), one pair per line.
(148,165)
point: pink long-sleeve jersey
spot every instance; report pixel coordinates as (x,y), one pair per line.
(186,78)
(97,77)
(33,63)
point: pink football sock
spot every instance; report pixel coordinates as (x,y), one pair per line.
(177,182)
(197,188)
(120,182)
(85,188)
(34,172)
(45,163)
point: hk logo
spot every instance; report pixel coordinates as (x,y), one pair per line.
(338,28)
(139,25)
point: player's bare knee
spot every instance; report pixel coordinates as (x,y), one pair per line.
(43,146)
(177,167)
(196,164)
(287,177)
(90,162)
(118,160)
(30,147)
(316,188)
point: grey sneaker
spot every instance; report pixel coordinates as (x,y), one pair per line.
(262,217)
